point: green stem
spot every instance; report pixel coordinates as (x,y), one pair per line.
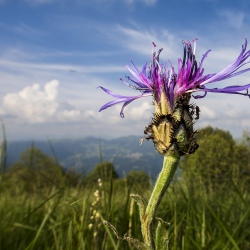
(170,164)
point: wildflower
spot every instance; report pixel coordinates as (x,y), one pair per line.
(158,79)
(93,203)
(99,182)
(172,125)
(96,193)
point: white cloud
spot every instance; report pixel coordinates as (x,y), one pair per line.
(40,1)
(246,123)
(207,112)
(141,41)
(147,2)
(34,104)
(139,112)
(234,18)
(8,64)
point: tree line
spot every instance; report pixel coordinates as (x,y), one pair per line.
(220,161)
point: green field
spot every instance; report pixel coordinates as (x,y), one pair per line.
(44,207)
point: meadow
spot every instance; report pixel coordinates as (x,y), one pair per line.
(44,207)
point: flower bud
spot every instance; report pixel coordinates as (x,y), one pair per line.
(173,128)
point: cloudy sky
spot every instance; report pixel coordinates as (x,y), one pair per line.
(55,53)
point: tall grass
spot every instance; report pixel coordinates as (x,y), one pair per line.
(72,217)
(219,220)
(3,152)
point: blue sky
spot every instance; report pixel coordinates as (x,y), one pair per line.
(55,53)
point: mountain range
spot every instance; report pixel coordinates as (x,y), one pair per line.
(126,153)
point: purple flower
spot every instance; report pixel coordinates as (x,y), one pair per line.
(158,77)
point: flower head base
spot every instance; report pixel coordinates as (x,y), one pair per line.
(174,116)
(174,129)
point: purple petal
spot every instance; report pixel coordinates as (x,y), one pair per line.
(227,90)
(123,106)
(200,96)
(120,99)
(139,77)
(230,70)
(112,93)
(111,103)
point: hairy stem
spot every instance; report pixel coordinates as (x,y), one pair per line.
(170,164)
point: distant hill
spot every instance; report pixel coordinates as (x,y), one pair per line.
(83,154)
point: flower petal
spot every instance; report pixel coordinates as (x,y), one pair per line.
(227,90)
(120,99)
(228,72)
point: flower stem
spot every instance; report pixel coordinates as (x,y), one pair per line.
(170,164)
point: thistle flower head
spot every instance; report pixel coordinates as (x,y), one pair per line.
(160,79)
(172,124)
